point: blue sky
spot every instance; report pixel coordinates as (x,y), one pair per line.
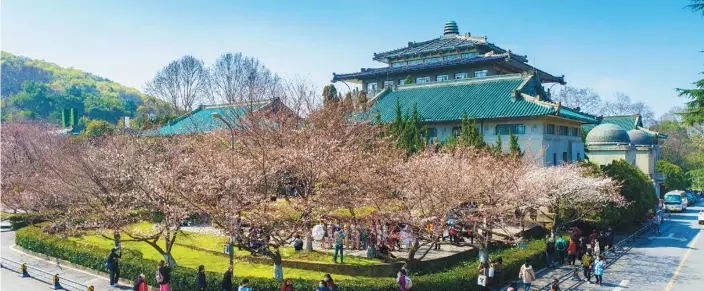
(642,48)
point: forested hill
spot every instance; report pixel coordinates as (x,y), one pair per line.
(39,90)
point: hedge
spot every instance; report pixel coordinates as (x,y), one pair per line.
(20,220)
(460,277)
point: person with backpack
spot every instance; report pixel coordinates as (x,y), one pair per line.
(163,276)
(527,274)
(113,264)
(599,266)
(572,252)
(141,283)
(404,282)
(561,249)
(550,252)
(200,279)
(587,262)
(226,284)
(656,224)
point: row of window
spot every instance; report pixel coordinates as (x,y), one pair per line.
(562,130)
(372,86)
(565,158)
(433,59)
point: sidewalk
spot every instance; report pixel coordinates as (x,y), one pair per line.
(10,251)
(545,276)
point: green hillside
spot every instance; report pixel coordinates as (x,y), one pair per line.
(39,90)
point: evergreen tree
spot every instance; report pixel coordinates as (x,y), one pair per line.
(411,137)
(408,80)
(397,125)
(694,113)
(330,94)
(514,148)
(347,102)
(498,147)
(470,135)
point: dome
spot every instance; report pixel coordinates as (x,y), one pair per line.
(451,28)
(607,134)
(639,138)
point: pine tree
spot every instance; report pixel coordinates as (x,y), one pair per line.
(396,127)
(330,95)
(514,147)
(498,147)
(408,80)
(470,135)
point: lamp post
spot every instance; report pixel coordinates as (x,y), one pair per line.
(230,244)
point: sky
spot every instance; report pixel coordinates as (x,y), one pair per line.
(643,48)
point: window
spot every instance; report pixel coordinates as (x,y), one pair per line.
(441,78)
(554,159)
(564,157)
(461,76)
(575,131)
(550,129)
(506,129)
(479,74)
(421,80)
(457,131)
(562,130)
(432,133)
(469,55)
(388,84)
(414,62)
(398,64)
(371,87)
(450,57)
(431,60)
(402,81)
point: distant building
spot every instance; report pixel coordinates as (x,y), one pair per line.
(624,137)
(458,73)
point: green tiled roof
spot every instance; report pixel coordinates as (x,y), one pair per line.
(202,120)
(626,122)
(573,114)
(481,98)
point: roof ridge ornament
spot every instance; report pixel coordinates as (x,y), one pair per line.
(468,36)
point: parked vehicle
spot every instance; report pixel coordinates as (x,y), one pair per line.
(700,217)
(691,199)
(675,200)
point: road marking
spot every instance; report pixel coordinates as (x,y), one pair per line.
(622,285)
(671,236)
(684,259)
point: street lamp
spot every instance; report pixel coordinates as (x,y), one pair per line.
(230,244)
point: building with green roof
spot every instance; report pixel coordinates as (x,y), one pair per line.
(457,74)
(207,118)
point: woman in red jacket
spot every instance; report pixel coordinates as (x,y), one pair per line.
(572,251)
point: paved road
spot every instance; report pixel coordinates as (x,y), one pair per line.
(671,261)
(11,281)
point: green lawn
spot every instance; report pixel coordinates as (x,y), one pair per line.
(191,258)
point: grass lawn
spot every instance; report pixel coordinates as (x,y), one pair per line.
(192,258)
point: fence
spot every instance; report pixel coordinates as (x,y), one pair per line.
(57,282)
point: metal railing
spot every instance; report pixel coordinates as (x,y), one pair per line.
(55,280)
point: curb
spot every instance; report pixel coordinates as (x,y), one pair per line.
(64,263)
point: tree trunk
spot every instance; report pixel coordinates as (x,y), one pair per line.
(169,259)
(309,238)
(116,238)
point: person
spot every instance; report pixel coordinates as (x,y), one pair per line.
(244,286)
(587,266)
(200,278)
(163,276)
(511,287)
(656,224)
(278,270)
(403,280)
(113,264)
(141,283)
(555,286)
(550,252)
(339,247)
(490,274)
(610,239)
(297,243)
(322,286)
(601,241)
(330,282)
(287,286)
(470,235)
(599,266)
(527,274)
(572,252)
(331,232)
(226,284)
(582,247)
(561,250)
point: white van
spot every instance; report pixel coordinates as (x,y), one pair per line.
(675,200)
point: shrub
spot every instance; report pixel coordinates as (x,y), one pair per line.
(460,277)
(21,220)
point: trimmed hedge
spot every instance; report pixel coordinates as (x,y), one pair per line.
(459,277)
(20,220)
